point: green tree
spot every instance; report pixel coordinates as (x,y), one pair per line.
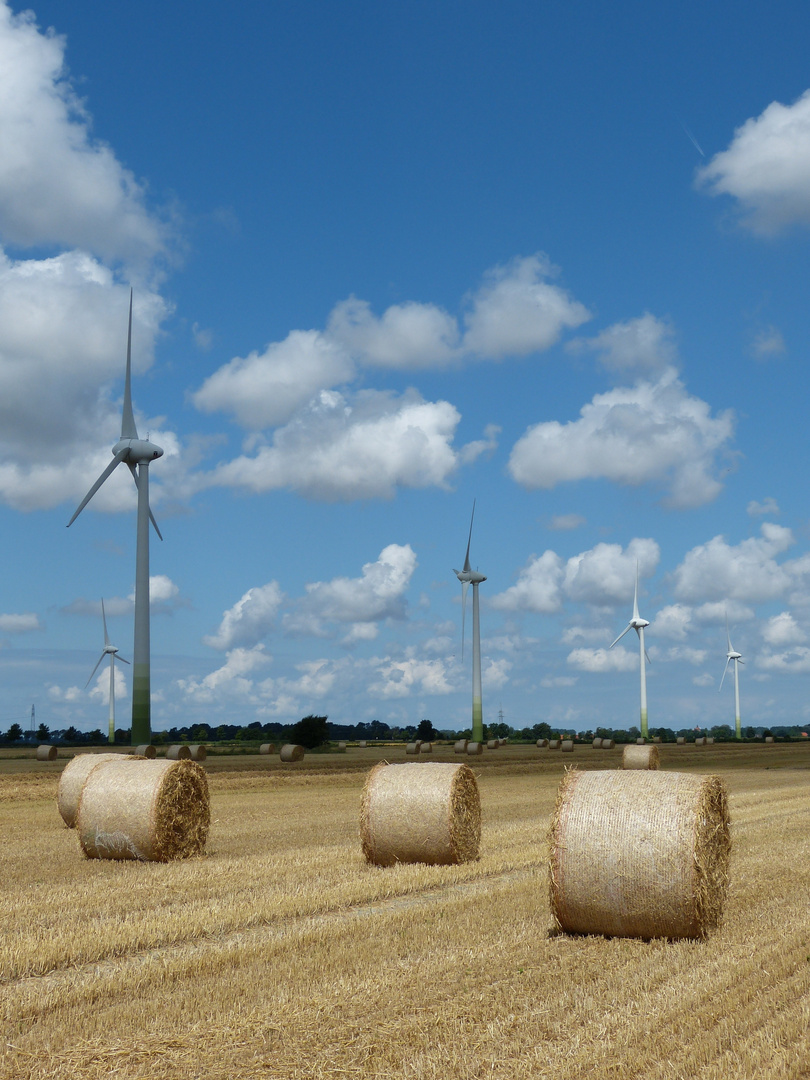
(71,734)
(310,731)
(426,732)
(43,733)
(14,733)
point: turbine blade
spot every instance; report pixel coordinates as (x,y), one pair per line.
(469,539)
(128,429)
(104,620)
(464,586)
(728,635)
(116,461)
(635,595)
(739,661)
(134,472)
(725,669)
(95,669)
(123,661)
(621,635)
(649,661)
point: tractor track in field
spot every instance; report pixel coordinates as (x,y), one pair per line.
(31,995)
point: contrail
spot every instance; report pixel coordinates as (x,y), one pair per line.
(693,140)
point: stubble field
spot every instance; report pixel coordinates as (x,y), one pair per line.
(280,953)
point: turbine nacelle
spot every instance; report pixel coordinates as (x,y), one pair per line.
(638,624)
(137,451)
(469,577)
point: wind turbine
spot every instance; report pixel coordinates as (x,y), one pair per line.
(112,652)
(136,454)
(638,624)
(467,576)
(737,658)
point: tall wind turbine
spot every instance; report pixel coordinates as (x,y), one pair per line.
(737,658)
(638,624)
(467,576)
(136,454)
(112,652)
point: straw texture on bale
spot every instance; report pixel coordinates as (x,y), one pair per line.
(178,753)
(426,748)
(145,750)
(269,748)
(700,741)
(597,743)
(641,757)
(492,744)
(608,744)
(412,747)
(46,752)
(680,740)
(542,744)
(72,781)
(140,809)
(475,748)
(460,746)
(554,744)
(567,746)
(641,742)
(639,856)
(427,813)
(292,752)
(198,752)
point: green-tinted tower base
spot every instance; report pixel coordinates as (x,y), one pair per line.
(141,719)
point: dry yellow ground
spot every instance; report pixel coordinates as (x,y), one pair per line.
(281,954)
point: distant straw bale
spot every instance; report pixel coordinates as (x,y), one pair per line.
(72,781)
(426,748)
(567,746)
(680,740)
(341,746)
(428,813)
(363,744)
(656,738)
(597,743)
(554,744)
(179,752)
(198,752)
(413,747)
(46,752)
(269,748)
(542,744)
(643,855)
(492,744)
(700,741)
(145,750)
(709,740)
(641,741)
(292,752)
(608,744)
(475,748)
(139,809)
(768,738)
(460,746)
(641,757)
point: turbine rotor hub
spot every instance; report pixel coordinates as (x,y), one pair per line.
(138,451)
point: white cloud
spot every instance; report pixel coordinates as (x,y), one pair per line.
(565,522)
(704,679)
(605,575)
(782,629)
(495,673)
(767,167)
(554,681)
(795,661)
(406,336)
(767,508)
(650,433)
(537,589)
(768,342)
(250,618)
(19,624)
(378,594)
(681,654)
(517,311)
(747,572)
(401,678)
(68,695)
(637,347)
(100,691)
(229,681)
(599,660)
(57,184)
(340,449)
(715,613)
(673,621)
(584,633)
(361,631)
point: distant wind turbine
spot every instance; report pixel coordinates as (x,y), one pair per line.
(638,624)
(737,658)
(136,454)
(112,652)
(467,576)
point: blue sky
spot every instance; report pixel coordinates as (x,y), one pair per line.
(388,259)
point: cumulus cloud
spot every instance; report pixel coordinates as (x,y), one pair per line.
(57,184)
(680,654)
(537,589)
(19,624)
(231,680)
(768,342)
(747,572)
(396,678)
(100,691)
(600,660)
(782,629)
(250,618)
(795,661)
(766,168)
(642,346)
(552,682)
(566,522)
(673,621)
(650,433)
(406,336)
(378,594)
(767,508)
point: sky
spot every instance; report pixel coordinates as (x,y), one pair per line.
(388,259)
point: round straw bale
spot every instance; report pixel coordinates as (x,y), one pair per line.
(426,748)
(198,752)
(641,742)
(72,781)
(363,744)
(641,757)
(145,750)
(179,752)
(768,738)
(700,741)
(567,746)
(680,740)
(428,813)
(597,743)
(554,744)
(492,744)
(46,752)
(709,740)
(341,746)
(292,752)
(269,748)
(608,744)
(542,744)
(138,809)
(475,748)
(412,747)
(656,738)
(639,856)
(460,746)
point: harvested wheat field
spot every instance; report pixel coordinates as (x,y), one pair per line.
(282,953)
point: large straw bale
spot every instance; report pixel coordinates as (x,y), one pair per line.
(567,746)
(179,752)
(72,781)
(292,752)
(145,750)
(460,746)
(428,813)
(140,809)
(46,752)
(269,748)
(413,747)
(597,743)
(641,757)
(554,744)
(608,744)
(426,748)
(639,856)
(542,744)
(475,748)
(198,752)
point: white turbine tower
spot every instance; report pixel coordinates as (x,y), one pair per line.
(737,658)
(136,454)
(112,652)
(638,624)
(467,576)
